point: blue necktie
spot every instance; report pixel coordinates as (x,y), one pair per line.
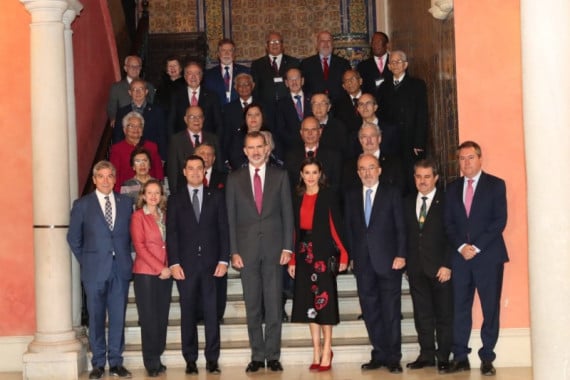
(368,206)
(196,204)
(299,107)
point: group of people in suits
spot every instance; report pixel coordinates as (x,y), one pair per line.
(363,130)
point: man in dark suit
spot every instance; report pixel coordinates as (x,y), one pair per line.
(291,110)
(345,108)
(198,253)
(194,95)
(374,70)
(429,269)
(119,93)
(268,72)
(183,144)
(233,116)
(155,128)
(100,239)
(376,239)
(475,217)
(220,78)
(260,217)
(323,71)
(311,134)
(403,103)
(333,131)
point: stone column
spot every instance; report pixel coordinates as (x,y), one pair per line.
(545,27)
(55,353)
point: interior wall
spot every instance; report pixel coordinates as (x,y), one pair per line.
(17,304)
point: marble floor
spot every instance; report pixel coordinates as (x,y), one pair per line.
(340,372)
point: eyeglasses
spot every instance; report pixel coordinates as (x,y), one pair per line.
(274,42)
(134,126)
(362,169)
(319,104)
(194,117)
(140,161)
(134,66)
(398,62)
(365,104)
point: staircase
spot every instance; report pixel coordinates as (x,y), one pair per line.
(350,341)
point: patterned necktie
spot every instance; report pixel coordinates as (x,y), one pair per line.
(194,99)
(325,68)
(423,213)
(227,78)
(244,104)
(299,107)
(368,206)
(257,191)
(469,196)
(196,140)
(108,212)
(196,204)
(310,153)
(274,67)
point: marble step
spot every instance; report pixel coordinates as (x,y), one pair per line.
(236,330)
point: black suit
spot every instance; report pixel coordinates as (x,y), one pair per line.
(334,136)
(207,100)
(312,69)
(483,228)
(428,251)
(373,249)
(267,88)
(181,146)
(405,106)
(345,110)
(391,172)
(155,127)
(369,72)
(234,119)
(198,246)
(331,160)
(287,123)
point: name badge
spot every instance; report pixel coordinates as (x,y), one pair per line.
(379,82)
(277,79)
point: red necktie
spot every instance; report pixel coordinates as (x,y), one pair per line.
(325,68)
(274,67)
(194,99)
(205,180)
(257,191)
(469,196)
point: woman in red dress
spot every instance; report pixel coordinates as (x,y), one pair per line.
(320,255)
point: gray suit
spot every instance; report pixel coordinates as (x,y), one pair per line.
(259,240)
(119,97)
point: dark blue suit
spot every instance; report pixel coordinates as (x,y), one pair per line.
(214,81)
(198,246)
(373,249)
(484,272)
(106,268)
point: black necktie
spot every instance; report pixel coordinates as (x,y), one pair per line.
(311,153)
(196,204)
(355,102)
(275,68)
(423,212)
(196,140)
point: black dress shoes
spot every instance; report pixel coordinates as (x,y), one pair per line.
(161,368)
(120,371)
(420,363)
(274,365)
(372,364)
(97,373)
(459,365)
(213,367)
(394,367)
(487,368)
(191,368)
(153,373)
(254,366)
(443,367)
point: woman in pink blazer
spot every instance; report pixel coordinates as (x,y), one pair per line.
(151,274)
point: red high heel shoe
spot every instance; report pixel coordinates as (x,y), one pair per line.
(314,367)
(324,368)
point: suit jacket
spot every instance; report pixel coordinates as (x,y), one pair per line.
(207,100)
(266,88)
(334,136)
(155,127)
(485,224)
(344,110)
(312,69)
(287,123)
(180,148)
(369,72)
(93,243)
(149,245)
(190,241)
(331,160)
(385,236)
(217,179)
(234,119)
(428,248)
(119,96)
(392,173)
(214,81)
(406,108)
(267,234)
